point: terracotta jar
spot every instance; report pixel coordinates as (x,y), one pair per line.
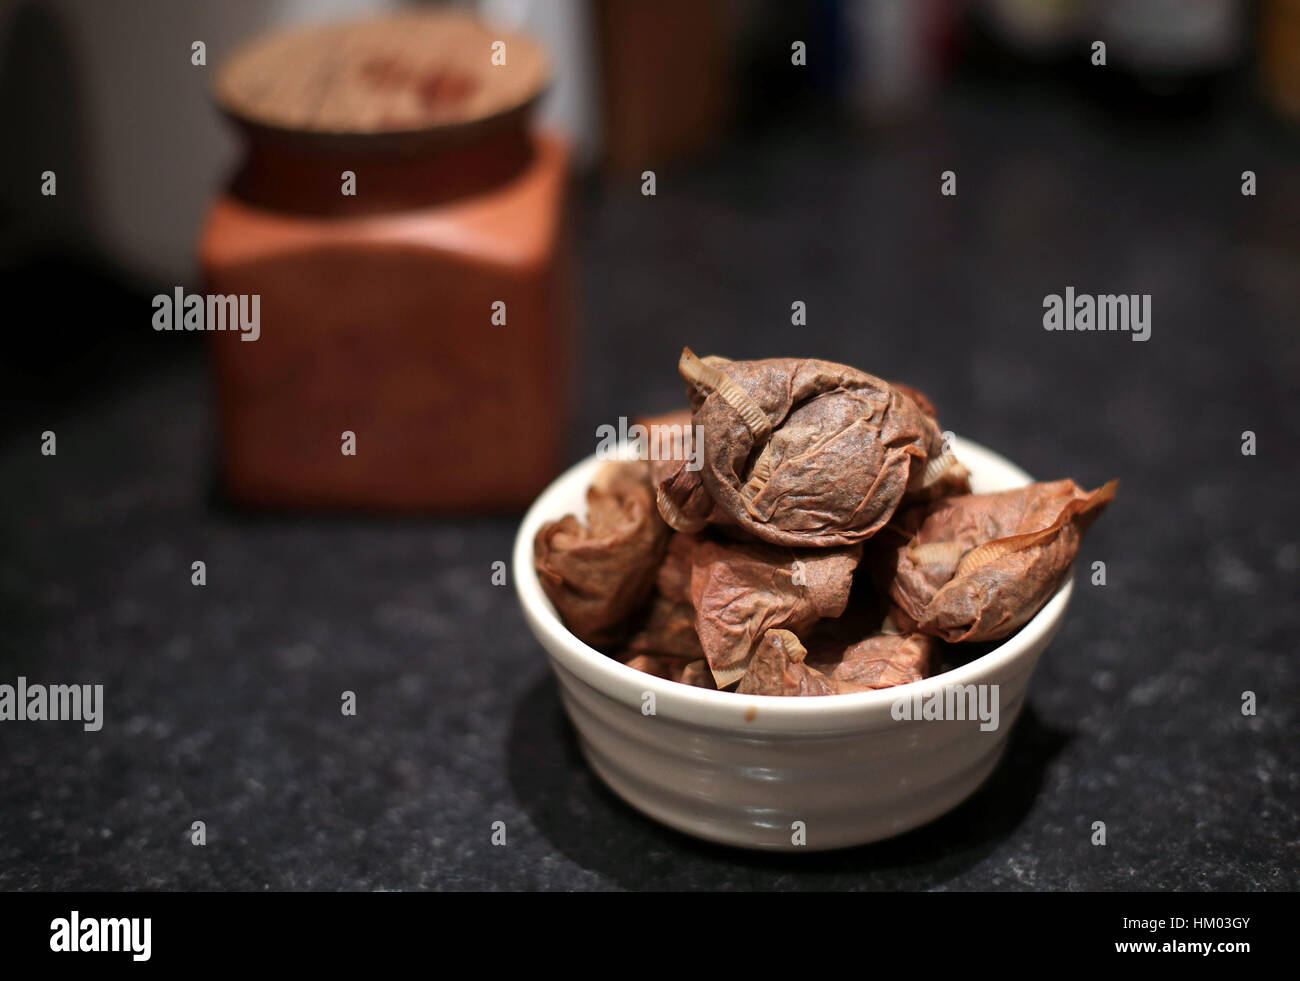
(413,350)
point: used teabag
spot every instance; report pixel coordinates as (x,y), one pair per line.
(863,649)
(742,590)
(681,497)
(669,668)
(979,566)
(881,661)
(597,574)
(800,452)
(693,673)
(778,668)
(667,625)
(944,474)
(782,665)
(669,443)
(673,580)
(668,628)
(697,674)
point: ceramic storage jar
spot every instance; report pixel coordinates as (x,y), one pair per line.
(402,226)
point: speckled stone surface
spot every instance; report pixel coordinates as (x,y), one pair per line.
(223,701)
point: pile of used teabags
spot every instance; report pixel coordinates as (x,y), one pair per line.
(811,534)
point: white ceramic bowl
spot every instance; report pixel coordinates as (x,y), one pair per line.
(777,773)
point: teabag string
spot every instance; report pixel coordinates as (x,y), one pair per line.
(714,380)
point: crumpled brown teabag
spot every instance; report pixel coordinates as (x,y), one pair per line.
(880,661)
(798,452)
(673,580)
(683,502)
(668,628)
(979,566)
(663,640)
(596,575)
(944,474)
(697,674)
(669,668)
(693,673)
(666,625)
(741,590)
(783,666)
(778,668)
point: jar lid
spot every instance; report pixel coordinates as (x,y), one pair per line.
(397,78)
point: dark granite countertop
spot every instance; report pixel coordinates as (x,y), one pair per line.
(223,702)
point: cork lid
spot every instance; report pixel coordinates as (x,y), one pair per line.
(412,75)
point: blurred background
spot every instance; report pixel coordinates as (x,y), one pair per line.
(827,170)
(798,153)
(106,96)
